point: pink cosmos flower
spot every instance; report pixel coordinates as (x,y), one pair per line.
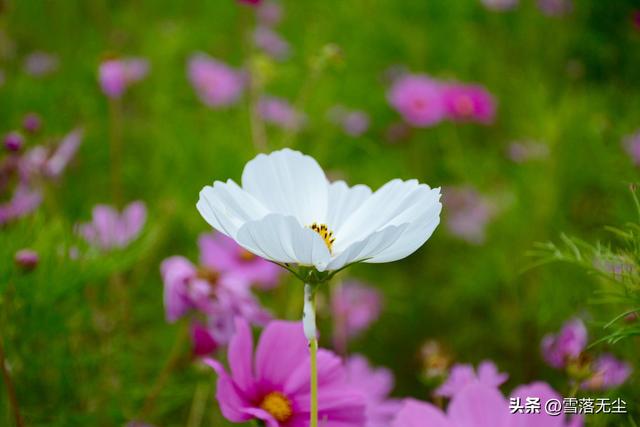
(608,372)
(40,64)
(110,229)
(500,5)
(631,144)
(203,342)
(66,150)
(555,8)
(280,112)
(463,375)
(24,201)
(269,13)
(468,103)
(31,123)
(479,405)
(220,297)
(353,122)
(524,151)
(271,43)
(468,213)
(216,84)
(559,349)
(221,253)
(27,259)
(354,307)
(418,99)
(117,75)
(376,383)
(273,385)
(543,419)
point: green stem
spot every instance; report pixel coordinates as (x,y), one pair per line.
(309,327)
(115,147)
(11,391)
(313,349)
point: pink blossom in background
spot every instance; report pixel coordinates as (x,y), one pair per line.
(27,259)
(555,8)
(500,5)
(31,123)
(479,405)
(468,213)
(23,201)
(40,64)
(635,19)
(461,376)
(418,99)
(13,141)
(184,288)
(524,151)
(250,2)
(354,306)
(117,75)
(221,253)
(219,297)
(568,344)
(269,13)
(63,154)
(271,43)
(272,384)
(280,112)
(471,103)
(353,122)
(376,384)
(631,144)
(110,229)
(607,372)
(545,393)
(203,342)
(216,84)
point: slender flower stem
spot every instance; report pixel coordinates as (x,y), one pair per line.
(163,376)
(11,391)
(313,348)
(309,326)
(115,147)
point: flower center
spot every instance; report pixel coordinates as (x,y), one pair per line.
(464,105)
(208,275)
(325,233)
(245,255)
(277,405)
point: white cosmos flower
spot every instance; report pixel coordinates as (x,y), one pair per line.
(287,211)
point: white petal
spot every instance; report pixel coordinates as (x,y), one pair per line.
(370,246)
(226,207)
(289,183)
(422,218)
(343,201)
(377,211)
(281,238)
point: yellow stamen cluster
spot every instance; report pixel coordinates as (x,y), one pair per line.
(245,255)
(325,233)
(277,405)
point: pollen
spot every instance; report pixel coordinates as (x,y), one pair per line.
(325,233)
(278,405)
(246,256)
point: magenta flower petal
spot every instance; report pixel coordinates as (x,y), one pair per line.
(240,351)
(216,84)
(272,364)
(329,371)
(420,414)
(232,403)
(176,273)
(203,342)
(567,344)
(478,405)
(418,99)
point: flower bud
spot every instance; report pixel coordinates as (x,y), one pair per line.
(13,141)
(32,123)
(26,259)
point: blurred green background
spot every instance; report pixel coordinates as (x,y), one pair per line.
(80,356)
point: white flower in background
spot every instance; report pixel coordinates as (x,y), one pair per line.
(288,212)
